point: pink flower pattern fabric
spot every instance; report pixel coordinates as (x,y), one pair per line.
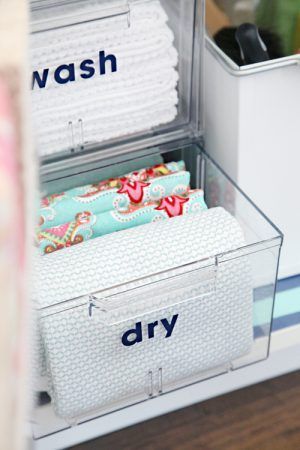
(87,226)
(151,184)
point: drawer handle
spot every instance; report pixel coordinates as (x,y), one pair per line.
(160,381)
(92,304)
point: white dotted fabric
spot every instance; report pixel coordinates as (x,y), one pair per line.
(88,367)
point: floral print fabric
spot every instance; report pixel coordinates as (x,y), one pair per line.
(88,226)
(140,187)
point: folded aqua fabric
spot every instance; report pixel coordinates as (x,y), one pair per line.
(139,187)
(88,226)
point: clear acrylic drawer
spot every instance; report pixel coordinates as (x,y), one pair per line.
(117,87)
(185,312)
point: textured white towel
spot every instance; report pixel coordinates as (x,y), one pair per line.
(109,127)
(143,16)
(134,77)
(87,365)
(110,99)
(143,89)
(129,44)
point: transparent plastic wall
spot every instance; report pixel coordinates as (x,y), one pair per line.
(262,251)
(109,73)
(225,304)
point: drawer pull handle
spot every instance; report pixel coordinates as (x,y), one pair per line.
(71,136)
(92,304)
(150,383)
(160,381)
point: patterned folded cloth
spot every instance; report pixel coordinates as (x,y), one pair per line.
(88,226)
(139,187)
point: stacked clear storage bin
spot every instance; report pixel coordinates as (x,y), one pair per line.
(188,312)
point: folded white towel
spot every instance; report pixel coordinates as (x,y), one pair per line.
(140,251)
(87,365)
(143,17)
(128,45)
(112,107)
(112,94)
(107,128)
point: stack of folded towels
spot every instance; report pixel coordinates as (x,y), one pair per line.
(147,195)
(140,95)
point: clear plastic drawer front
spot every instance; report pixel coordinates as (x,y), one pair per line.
(114,72)
(139,313)
(178,329)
